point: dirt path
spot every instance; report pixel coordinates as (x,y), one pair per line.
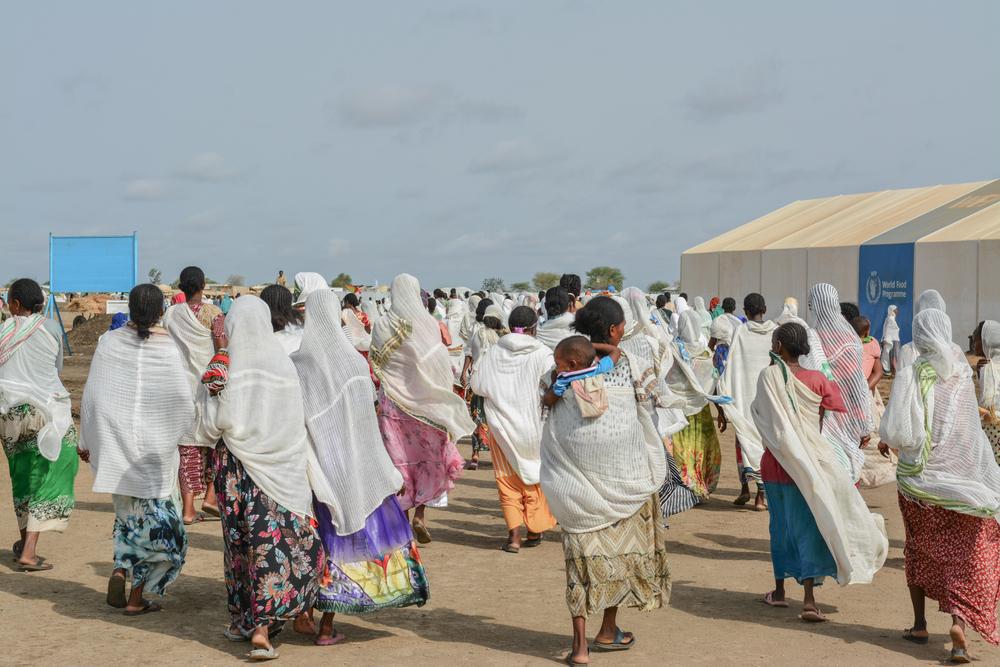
(487,607)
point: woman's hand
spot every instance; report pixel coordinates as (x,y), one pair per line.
(721,420)
(84,454)
(865,440)
(883,449)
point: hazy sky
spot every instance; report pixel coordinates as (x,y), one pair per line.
(462,140)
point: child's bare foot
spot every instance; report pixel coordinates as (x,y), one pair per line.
(760,503)
(304,624)
(959,650)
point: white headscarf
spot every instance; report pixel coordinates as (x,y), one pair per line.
(353,328)
(469,318)
(890,328)
(790,312)
(928,299)
(945,458)
(259,414)
(306,283)
(354,474)
(706,317)
(842,348)
(989,375)
(413,365)
(689,332)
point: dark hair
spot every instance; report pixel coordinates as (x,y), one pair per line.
(492,323)
(556,301)
(431,304)
(793,337)
(440,294)
(351,300)
(481,308)
(571,283)
(849,311)
(596,318)
(578,347)
(192,281)
(978,333)
(145,308)
(466,294)
(860,324)
(279,300)
(683,295)
(29,294)
(729,305)
(522,317)
(754,304)
(662,300)
(453,294)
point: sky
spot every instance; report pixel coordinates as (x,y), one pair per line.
(462,140)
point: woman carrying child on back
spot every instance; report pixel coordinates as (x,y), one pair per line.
(601,474)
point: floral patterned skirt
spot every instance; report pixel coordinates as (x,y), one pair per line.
(42,489)
(150,541)
(481,436)
(272,556)
(697,453)
(955,559)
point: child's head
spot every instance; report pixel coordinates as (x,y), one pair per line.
(574,353)
(754,305)
(790,341)
(862,325)
(522,320)
(25,297)
(729,305)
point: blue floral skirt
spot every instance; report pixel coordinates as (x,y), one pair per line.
(150,542)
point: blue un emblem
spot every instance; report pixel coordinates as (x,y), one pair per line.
(873,288)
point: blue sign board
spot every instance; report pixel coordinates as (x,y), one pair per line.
(885,277)
(93,263)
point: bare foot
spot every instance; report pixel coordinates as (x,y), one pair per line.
(760,503)
(304,624)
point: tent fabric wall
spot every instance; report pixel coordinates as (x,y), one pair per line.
(989,279)
(700,273)
(951,269)
(784,273)
(739,274)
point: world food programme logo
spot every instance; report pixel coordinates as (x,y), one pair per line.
(873,288)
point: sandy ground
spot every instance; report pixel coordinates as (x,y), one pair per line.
(486,607)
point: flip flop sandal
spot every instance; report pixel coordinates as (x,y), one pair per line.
(619,644)
(510,548)
(771,602)
(573,663)
(234,636)
(116,592)
(263,654)
(422,534)
(40,566)
(211,511)
(148,607)
(197,519)
(471,466)
(329,641)
(531,542)
(959,656)
(812,616)
(910,637)
(742,500)
(17,548)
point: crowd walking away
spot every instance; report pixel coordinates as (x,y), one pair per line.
(317,430)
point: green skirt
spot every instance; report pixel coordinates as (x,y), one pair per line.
(42,489)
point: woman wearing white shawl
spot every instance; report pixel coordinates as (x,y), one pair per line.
(306,283)
(987,342)
(819,523)
(421,417)
(703,315)
(890,340)
(196,327)
(137,406)
(355,482)
(272,554)
(749,354)
(721,334)
(286,318)
(560,308)
(949,487)
(852,429)
(486,334)
(36,426)
(504,377)
(601,476)
(930,298)
(469,319)
(692,378)
(790,312)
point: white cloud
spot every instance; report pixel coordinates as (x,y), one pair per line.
(512,156)
(390,105)
(338,247)
(147,189)
(209,167)
(743,90)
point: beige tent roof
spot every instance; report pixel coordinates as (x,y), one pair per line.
(984,224)
(847,220)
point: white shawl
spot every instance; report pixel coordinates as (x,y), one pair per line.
(749,354)
(412,364)
(355,330)
(194,342)
(454,317)
(308,282)
(469,319)
(259,414)
(137,407)
(354,474)
(30,376)
(600,470)
(786,414)
(508,377)
(989,375)
(890,328)
(554,330)
(945,459)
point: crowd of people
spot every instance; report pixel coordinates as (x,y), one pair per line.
(319,430)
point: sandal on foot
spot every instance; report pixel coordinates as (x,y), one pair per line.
(263,654)
(532,542)
(148,607)
(17,548)
(959,656)
(510,548)
(422,534)
(742,499)
(812,616)
(472,465)
(771,602)
(211,511)
(573,663)
(619,644)
(234,636)
(198,518)
(116,592)
(40,566)
(335,638)
(910,637)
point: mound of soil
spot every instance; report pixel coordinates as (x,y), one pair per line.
(85,335)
